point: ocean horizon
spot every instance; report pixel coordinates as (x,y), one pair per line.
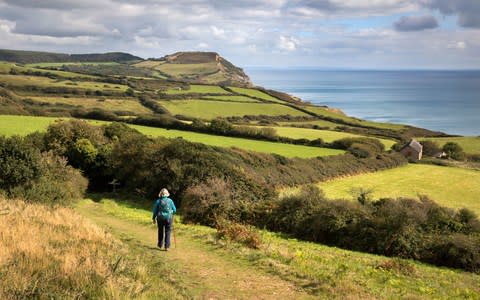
(440,100)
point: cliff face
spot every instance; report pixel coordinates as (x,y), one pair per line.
(204,67)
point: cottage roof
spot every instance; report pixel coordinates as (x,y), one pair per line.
(414,145)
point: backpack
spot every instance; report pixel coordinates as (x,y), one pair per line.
(164,209)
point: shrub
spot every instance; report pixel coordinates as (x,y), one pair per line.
(454,151)
(246,235)
(20,164)
(430,148)
(59,184)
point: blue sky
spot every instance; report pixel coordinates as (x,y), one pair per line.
(367,34)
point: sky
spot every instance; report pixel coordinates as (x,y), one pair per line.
(363,34)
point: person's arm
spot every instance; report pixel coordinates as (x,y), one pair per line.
(155,210)
(174,209)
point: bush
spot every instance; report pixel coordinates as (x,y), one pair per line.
(212,202)
(20,164)
(454,151)
(59,183)
(40,177)
(246,235)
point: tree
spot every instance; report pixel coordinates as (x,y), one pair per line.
(454,151)
(430,148)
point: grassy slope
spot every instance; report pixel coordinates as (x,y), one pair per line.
(325,135)
(206,109)
(53,253)
(231,98)
(21,80)
(110,104)
(287,150)
(470,144)
(5,68)
(324,272)
(23,125)
(199,89)
(179,70)
(255,93)
(449,186)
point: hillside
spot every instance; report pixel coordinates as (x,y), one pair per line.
(30,57)
(199,67)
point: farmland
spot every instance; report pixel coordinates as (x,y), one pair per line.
(469,144)
(20,81)
(207,109)
(231,98)
(23,125)
(449,186)
(109,104)
(198,89)
(326,135)
(255,93)
(287,150)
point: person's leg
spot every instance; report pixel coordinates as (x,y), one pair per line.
(168,228)
(160,233)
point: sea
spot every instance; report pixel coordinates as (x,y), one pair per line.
(447,101)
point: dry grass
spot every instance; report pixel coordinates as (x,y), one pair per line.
(53,253)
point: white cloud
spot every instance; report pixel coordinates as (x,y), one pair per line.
(286,43)
(202,46)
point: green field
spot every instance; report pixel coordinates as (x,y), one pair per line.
(110,104)
(6,67)
(179,70)
(326,135)
(199,89)
(449,186)
(324,272)
(255,93)
(38,81)
(320,123)
(470,144)
(231,98)
(287,150)
(205,109)
(59,64)
(23,125)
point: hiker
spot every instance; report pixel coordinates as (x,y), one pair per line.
(163,211)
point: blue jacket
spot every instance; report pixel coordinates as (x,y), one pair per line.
(156,206)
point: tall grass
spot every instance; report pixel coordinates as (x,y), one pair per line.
(53,253)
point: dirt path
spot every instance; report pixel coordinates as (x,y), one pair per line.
(200,271)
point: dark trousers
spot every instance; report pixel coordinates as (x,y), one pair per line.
(164,225)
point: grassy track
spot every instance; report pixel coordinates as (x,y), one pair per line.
(205,109)
(255,93)
(124,104)
(287,150)
(23,125)
(470,144)
(282,268)
(449,186)
(199,89)
(326,135)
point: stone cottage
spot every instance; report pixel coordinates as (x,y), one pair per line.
(413,150)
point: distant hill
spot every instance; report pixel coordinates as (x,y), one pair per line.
(30,57)
(198,67)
